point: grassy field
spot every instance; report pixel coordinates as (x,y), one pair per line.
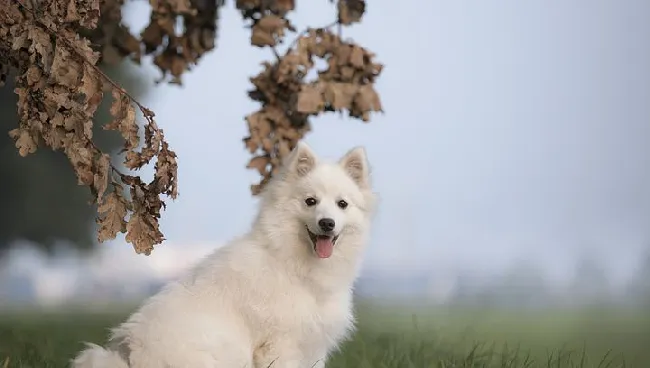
(390,337)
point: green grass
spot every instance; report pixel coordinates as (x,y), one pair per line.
(391,338)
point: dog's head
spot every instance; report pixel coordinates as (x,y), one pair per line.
(323,201)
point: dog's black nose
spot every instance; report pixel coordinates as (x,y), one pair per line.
(326,224)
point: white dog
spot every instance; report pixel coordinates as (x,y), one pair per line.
(280,296)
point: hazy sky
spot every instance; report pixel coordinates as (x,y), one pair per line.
(512,129)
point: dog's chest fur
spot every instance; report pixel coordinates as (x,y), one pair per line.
(278,303)
(315,327)
(304,314)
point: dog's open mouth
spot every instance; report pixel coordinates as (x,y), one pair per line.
(323,244)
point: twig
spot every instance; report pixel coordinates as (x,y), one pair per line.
(304,32)
(275,52)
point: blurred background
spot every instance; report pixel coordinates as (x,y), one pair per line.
(512,165)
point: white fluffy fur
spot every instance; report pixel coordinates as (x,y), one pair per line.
(264,299)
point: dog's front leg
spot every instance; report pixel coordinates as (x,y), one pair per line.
(313,363)
(314,359)
(277,354)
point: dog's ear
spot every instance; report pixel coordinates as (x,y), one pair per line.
(301,160)
(355,164)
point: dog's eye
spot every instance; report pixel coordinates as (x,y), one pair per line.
(311,201)
(342,204)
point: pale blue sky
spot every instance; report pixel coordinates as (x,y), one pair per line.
(512,129)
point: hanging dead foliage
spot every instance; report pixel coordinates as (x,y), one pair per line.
(59,88)
(54,46)
(288,99)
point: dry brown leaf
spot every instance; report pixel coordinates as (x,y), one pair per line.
(152,142)
(262,38)
(112,211)
(55,137)
(310,99)
(351,11)
(271,23)
(252,144)
(142,232)
(124,120)
(72,15)
(183,7)
(260,163)
(101,176)
(80,154)
(167,172)
(24,141)
(367,99)
(41,47)
(267,30)
(356,57)
(33,75)
(92,88)
(340,95)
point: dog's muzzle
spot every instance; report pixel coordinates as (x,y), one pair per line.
(322,244)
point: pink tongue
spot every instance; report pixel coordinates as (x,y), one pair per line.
(324,246)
